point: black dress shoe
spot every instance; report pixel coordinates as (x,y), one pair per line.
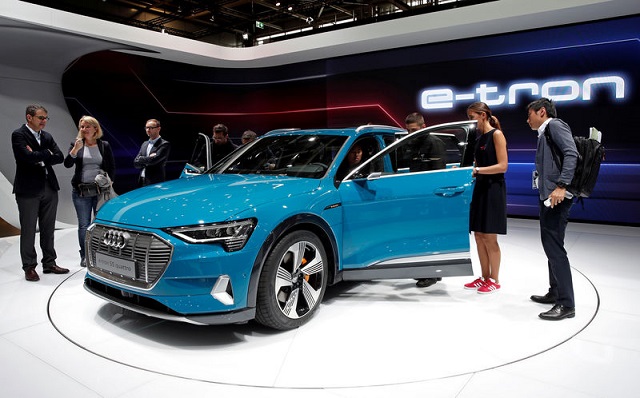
(31,275)
(546,299)
(54,269)
(558,312)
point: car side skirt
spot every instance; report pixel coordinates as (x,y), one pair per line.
(434,266)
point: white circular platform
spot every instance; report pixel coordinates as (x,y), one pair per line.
(365,334)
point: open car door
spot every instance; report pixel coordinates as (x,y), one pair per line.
(409,217)
(200,158)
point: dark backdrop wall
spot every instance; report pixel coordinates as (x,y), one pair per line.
(590,70)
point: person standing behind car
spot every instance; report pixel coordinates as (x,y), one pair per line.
(552,184)
(90,155)
(221,145)
(36,189)
(488,212)
(248,136)
(435,153)
(431,151)
(153,155)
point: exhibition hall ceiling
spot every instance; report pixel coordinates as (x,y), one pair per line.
(245,23)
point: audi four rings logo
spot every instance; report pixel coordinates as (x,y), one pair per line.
(115,239)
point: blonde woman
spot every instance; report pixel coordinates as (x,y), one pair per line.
(90,154)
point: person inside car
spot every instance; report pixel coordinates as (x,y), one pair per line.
(354,159)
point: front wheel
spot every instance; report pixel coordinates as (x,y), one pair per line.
(293,281)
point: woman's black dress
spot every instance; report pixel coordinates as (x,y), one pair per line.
(489,201)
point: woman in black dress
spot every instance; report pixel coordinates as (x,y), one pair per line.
(488,215)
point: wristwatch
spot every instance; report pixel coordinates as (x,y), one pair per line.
(477,170)
(561,184)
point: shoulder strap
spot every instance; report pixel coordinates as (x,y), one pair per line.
(553,147)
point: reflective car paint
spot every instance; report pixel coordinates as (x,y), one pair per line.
(395,223)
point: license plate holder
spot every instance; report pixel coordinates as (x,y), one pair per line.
(115,265)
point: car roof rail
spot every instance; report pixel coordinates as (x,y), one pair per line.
(285,130)
(377,127)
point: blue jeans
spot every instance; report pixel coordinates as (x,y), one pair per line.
(86,210)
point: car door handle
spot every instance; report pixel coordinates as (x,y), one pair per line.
(448,192)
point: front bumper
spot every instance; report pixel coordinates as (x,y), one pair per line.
(149,306)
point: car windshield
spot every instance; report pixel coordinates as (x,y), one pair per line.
(302,155)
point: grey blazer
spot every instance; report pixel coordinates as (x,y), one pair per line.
(548,173)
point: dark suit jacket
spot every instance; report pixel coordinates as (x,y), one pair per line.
(108,162)
(30,174)
(153,165)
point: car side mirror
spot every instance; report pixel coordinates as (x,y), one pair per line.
(190,170)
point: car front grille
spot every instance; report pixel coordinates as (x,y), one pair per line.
(150,253)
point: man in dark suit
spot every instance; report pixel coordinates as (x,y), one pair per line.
(221,144)
(153,155)
(552,181)
(36,189)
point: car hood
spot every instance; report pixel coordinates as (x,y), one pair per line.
(203,199)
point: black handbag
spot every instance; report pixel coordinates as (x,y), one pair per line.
(88,189)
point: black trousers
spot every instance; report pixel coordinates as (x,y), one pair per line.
(39,210)
(553,224)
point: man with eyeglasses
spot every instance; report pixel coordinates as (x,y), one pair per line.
(153,155)
(36,189)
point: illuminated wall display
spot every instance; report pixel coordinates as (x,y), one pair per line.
(565,90)
(590,70)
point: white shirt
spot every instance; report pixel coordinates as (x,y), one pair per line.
(543,126)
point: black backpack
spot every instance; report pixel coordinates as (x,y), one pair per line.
(590,155)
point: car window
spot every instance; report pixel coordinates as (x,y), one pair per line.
(435,148)
(359,152)
(308,156)
(419,152)
(199,155)
(454,140)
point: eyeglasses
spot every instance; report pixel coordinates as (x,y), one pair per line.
(42,117)
(150,127)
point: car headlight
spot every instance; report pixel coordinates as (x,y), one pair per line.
(231,235)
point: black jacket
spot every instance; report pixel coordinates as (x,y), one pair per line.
(31,175)
(154,165)
(108,163)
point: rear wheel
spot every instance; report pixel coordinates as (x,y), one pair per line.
(293,281)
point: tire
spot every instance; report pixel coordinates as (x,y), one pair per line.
(293,281)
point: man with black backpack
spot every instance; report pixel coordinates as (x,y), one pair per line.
(551,179)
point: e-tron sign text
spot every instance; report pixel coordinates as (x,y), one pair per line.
(558,90)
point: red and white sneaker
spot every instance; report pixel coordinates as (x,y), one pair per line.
(488,286)
(475,284)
